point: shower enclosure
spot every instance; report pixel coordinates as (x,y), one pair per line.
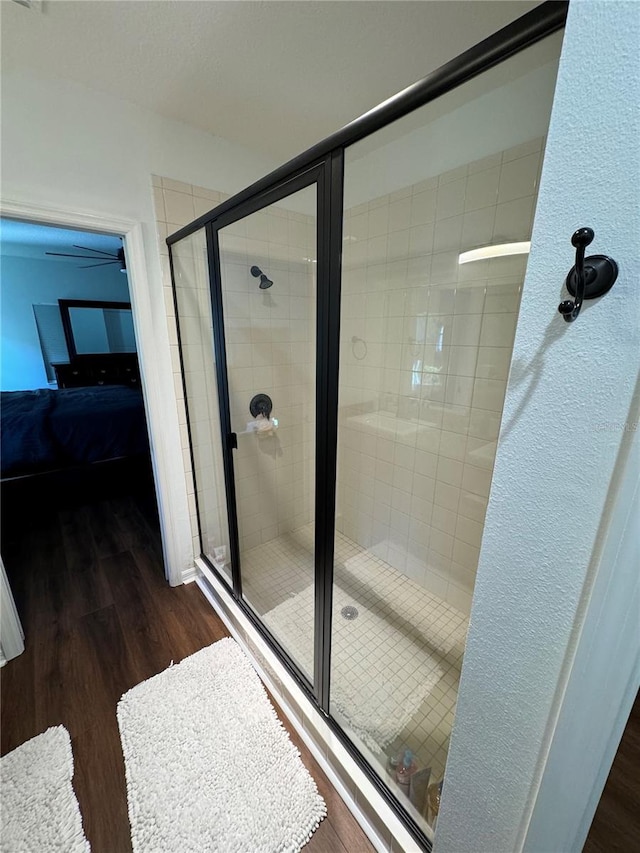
(345,355)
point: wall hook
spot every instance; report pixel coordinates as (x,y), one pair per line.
(590,277)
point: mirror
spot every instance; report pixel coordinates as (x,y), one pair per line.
(97,327)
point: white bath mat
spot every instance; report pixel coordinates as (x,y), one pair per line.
(380,671)
(40,813)
(209,766)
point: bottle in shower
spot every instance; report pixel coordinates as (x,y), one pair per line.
(406,768)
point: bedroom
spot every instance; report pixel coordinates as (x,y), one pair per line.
(74,430)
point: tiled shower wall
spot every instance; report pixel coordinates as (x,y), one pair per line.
(196,334)
(177,204)
(425,351)
(270,337)
(270,344)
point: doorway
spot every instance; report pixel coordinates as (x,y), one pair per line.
(75,438)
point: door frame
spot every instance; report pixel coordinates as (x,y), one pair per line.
(154,395)
(11,633)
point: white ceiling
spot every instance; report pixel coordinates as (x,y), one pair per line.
(273,76)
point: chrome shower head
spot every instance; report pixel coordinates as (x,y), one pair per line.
(264,281)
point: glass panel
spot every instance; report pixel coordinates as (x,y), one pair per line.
(426,344)
(268,262)
(191,281)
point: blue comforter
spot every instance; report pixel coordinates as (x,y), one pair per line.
(46,429)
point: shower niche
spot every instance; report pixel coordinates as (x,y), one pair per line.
(344,368)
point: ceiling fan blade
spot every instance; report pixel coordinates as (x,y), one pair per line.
(103,264)
(101,251)
(64,255)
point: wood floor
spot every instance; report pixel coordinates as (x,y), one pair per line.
(99,618)
(616,824)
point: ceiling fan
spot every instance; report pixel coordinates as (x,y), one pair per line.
(100,255)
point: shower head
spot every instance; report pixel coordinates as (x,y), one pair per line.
(264,281)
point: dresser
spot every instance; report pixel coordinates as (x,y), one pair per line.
(100,369)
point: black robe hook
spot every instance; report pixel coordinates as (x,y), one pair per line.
(590,277)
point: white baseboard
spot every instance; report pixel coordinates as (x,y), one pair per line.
(190,575)
(11,633)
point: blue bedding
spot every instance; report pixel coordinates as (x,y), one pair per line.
(47,429)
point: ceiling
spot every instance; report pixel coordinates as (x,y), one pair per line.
(32,240)
(273,76)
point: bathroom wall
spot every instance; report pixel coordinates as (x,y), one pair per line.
(270,337)
(425,352)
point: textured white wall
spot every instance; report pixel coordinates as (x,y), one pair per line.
(569,394)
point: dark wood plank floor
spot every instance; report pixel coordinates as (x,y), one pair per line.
(99,618)
(616,824)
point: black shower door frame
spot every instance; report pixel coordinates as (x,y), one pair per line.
(323,166)
(326,176)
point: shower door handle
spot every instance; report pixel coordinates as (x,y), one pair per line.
(232,441)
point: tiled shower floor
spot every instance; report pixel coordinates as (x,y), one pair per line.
(283,567)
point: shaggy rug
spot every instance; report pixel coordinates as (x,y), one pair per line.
(39,807)
(209,766)
(380,673)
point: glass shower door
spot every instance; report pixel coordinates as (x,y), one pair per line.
(426,335)
(268,285)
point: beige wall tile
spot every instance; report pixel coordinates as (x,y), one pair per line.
(158,203)
(482,189)
(177,186)
(418,493)
(179,207)
(485,163)
(476,480)
(518,178)
(421,308)
(450,199)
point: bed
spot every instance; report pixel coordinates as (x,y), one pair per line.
(71,438)
(47,429)
(87,438)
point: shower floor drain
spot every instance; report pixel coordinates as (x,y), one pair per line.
(349,612)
